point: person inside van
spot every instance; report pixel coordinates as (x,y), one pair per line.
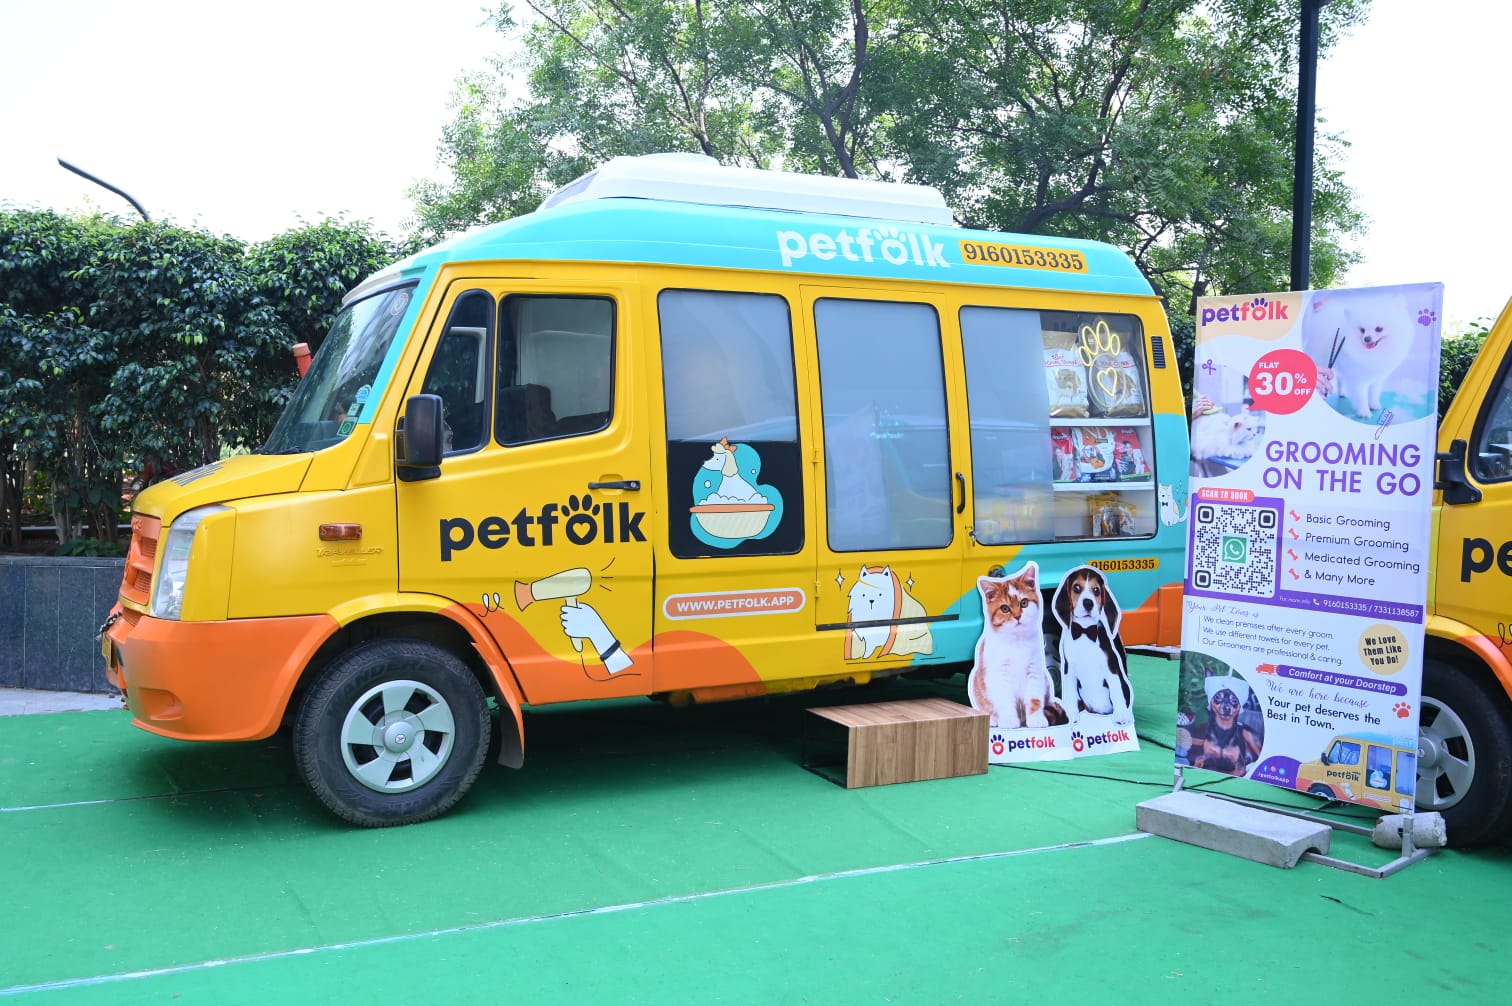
(1223,744)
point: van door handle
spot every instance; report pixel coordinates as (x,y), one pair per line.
(631,484)
(961,480)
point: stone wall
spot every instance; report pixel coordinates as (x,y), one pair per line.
(50,609)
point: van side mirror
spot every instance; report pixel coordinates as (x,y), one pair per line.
(418,439)
(1452,479)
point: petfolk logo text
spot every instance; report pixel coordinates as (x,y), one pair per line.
(1000,744)
(1080,743)
(867,244)
(581,521)
(1258,309)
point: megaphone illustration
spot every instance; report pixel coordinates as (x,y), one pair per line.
(569,584)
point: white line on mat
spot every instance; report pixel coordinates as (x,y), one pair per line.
(676,899)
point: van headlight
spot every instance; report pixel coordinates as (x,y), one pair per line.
(173,570)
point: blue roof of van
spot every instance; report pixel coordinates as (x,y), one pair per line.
(654,231)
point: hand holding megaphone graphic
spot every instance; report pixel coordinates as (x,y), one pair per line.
(569,584)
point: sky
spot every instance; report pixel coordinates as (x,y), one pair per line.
(249,120)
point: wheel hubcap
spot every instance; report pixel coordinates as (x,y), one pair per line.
(1446,758)
(397,736)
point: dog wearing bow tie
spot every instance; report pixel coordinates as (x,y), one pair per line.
(1093,678)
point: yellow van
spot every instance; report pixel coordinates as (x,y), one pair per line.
(1368,768)
(1465,763)
(688,431)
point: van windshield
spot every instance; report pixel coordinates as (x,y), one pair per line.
(339,390)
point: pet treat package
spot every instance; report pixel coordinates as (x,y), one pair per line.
(1129,459)
(1065,376)
(1112,515)
(1063,444)
(1115,386)
(1094,454)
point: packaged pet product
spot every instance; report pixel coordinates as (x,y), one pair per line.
(1065,376)
(1128,454)
(1115,386)
(1112,515)
(1063,442)
(1094,454)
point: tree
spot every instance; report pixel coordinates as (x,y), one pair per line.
(148,348)
(304,273)
(611,77)
(54,369)
(1161,126)
(204,360)
(1457,352)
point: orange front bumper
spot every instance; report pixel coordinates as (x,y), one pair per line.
(211,681)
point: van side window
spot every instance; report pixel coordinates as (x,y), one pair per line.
(1378,767)
(459,372)
(1344,753)
(732,424)
(555,368)
(1491,461)
(1062,441)
(1406,772)
(1013,493)
(886,441)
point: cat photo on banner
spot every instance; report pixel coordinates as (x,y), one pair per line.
(1226,428)
(1031,715)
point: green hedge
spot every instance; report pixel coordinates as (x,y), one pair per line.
(129,351)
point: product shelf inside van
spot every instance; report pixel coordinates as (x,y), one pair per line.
(1098,487)
(1104,421)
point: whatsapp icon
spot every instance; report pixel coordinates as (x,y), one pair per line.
(1235,549)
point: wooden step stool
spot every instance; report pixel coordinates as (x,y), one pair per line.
(907,741)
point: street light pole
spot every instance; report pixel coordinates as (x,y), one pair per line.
(104,184)
(1302,184)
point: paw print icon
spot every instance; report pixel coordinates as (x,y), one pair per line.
(1402,710)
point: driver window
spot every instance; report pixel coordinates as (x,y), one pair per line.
(1492,459)
(556,368)
(459,373)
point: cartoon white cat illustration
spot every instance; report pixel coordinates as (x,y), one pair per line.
(878,596)
(1170,510)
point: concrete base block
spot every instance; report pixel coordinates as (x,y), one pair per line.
(1224,826)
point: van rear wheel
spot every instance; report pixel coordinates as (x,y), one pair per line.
(393,732)
(1464,767)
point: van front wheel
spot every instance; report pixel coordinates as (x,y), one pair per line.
(1464,769)
(393,732)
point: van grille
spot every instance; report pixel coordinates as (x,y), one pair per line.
(136,584)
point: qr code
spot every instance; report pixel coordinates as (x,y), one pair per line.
(1234,548)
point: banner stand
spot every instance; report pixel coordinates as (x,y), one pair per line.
(1309,551)
(1411,853)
